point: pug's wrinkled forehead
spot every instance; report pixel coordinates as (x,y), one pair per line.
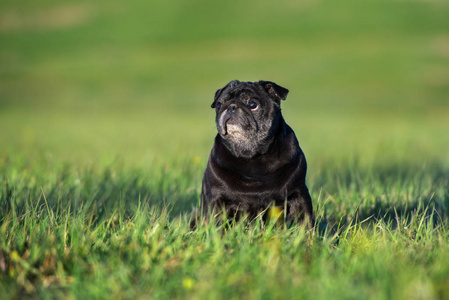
(241,93)
(239,89)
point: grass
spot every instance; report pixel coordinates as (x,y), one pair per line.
(379,235)
(105,129)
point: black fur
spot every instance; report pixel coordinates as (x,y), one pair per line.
(256,160)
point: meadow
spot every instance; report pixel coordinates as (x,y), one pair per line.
(106,127)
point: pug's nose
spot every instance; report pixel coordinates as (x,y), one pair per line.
(232,107)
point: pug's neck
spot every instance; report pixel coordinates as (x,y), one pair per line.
(243,148)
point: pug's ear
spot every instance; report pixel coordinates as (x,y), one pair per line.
(217,95)
(220,91)
(276,92)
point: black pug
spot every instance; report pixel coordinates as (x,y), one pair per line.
(256,160)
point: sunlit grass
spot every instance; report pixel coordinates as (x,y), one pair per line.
(126,232)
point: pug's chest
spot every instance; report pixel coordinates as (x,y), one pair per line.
(262,188)
(257,179)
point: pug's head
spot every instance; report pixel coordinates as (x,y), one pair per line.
(248,115)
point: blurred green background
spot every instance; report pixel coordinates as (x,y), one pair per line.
(93,82)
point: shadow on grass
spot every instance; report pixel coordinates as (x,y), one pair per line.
(395,194)
(389,193)
(112,191)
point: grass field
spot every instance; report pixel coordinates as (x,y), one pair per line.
(106,126)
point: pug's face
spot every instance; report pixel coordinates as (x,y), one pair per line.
(248,115)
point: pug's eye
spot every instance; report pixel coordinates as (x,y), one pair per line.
(252,105)
(218,106)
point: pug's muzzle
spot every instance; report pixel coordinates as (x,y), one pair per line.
(236,122)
